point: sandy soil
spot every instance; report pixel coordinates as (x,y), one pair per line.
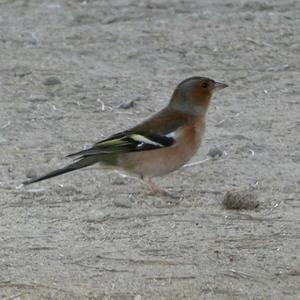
(65,69)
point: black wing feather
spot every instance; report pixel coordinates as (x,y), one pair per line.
(127,142)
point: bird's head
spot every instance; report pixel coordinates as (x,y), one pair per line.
(192,96)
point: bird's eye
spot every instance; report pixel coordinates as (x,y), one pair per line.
(205,85)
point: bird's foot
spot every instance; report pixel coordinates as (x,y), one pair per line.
(169,198)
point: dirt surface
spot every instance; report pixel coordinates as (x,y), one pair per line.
(65,69)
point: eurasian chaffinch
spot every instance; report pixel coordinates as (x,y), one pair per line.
(160,144)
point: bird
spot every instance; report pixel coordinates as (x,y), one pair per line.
(157,146)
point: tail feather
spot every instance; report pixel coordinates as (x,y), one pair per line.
(81,163)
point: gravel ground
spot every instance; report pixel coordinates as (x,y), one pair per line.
(73,72)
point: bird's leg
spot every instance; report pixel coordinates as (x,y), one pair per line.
(156,190)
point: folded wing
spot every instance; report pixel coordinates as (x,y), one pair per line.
(127,142)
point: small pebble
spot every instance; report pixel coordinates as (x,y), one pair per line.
(96,216)
(131,103)
(52,81)
(240,200)
(215,152)
(127,105)
(30,173)
(118,181)
(124,203)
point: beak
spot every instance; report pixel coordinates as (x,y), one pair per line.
(219,86)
